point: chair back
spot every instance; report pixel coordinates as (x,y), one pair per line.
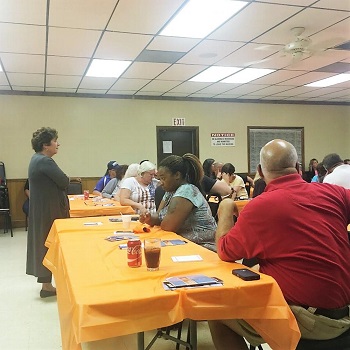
(214,201)
(75,188)
(2,174)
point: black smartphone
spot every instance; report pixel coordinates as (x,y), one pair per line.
(246,274)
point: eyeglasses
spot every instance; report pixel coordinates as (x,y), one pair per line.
(149,173)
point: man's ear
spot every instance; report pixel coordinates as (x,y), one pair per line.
(297,166)
(260,171)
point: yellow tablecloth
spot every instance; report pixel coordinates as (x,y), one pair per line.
(99,296)
(82,208)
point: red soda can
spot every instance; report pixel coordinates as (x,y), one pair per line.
(134,253)
(86,194)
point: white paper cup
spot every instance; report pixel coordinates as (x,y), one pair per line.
(126,219)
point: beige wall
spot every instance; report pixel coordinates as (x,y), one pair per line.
(93,131)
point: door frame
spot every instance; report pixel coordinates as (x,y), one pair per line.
(195,137)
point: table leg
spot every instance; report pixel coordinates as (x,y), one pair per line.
(140,341)
(193,334)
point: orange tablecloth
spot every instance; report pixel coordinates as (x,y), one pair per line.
(100,297)
(81,208)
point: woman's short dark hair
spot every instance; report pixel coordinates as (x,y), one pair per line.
(43,136)
(189,166)
(228,168)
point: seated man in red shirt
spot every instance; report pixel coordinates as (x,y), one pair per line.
(298,232)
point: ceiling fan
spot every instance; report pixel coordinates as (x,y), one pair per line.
(299,48)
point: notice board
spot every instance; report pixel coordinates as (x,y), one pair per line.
(259,136)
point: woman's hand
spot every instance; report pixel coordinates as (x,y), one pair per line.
(145,218)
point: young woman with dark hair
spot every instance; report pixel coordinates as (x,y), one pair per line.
(184,209)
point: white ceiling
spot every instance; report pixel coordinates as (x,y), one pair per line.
(46,47)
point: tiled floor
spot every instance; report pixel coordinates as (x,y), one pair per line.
(30,323)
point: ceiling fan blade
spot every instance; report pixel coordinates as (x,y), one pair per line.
(259,61)
(327,44)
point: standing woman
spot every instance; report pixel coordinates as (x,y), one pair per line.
(184,209)
(48,201)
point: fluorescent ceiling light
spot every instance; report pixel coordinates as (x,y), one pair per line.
(214,74)
(198,18)
(246,75)
(340,78)
(107,68)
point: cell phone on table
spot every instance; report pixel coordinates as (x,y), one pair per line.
(246,275)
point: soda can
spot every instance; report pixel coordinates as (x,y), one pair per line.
(134,253)
(86,194)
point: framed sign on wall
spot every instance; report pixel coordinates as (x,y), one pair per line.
(258,136)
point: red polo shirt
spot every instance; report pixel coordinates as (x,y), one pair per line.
(298,232)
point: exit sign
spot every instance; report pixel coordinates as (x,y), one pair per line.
(178,122)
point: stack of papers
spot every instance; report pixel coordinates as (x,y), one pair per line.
(191,281)
(120,236)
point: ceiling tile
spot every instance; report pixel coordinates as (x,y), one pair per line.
(121,46)
(129,84)
(92,91)
(23,63)
(282,34)
(27,88)
(3,80)
(145,70)
(83,14)
(24,79)
(62,81)
(21,38)
(333,4)
(210,51)
(159,56)
(77,42)
(160,85)
(181,72)
(96,83)
(157,12)
(190,87)
(306,78)
(168,43)
(255,19)
(32,11)
(66,65)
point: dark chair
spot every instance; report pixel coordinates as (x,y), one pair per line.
(75,188)
(340,343)
(165,333)
(4,200)
(214,202)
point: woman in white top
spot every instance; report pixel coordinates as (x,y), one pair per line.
(236,182)
(134,191)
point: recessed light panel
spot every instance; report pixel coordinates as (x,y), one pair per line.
(214,74)
(198,18)
(337,79)
(107,68)
(246,75)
